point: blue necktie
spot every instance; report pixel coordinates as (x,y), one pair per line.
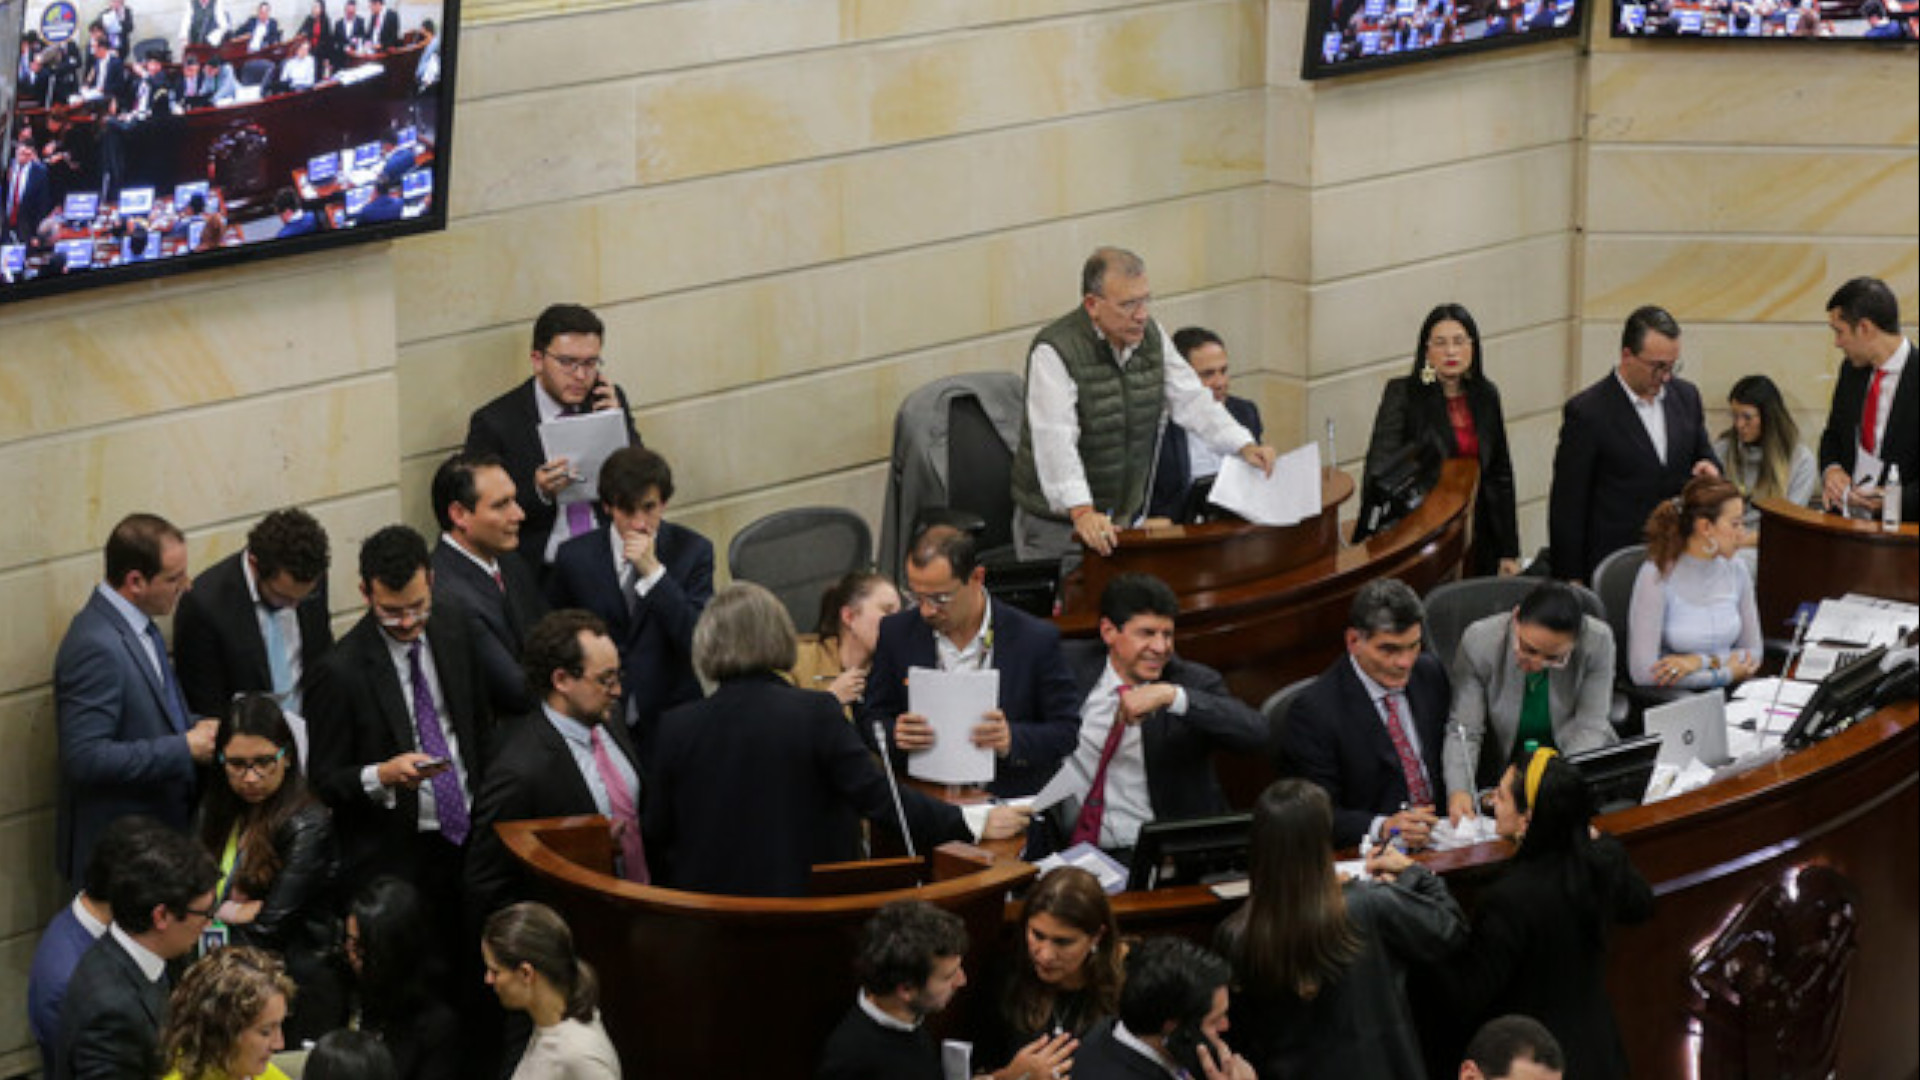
(278,667)
(176,701)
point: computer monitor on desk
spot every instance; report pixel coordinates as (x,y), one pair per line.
(80,206)
(1617,775)
(358,198)
(1842,698)
(135,201)
(1196,851)
(323,168)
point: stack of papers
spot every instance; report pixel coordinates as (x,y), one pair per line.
(1470,831)
(954,703)
(1113,876)
(1289,496)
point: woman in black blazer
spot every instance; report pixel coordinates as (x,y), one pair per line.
(754,785)
(1449,404)
(1540,931)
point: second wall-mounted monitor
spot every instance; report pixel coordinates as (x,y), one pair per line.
(1365,35)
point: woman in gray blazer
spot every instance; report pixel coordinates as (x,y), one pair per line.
(1541,674)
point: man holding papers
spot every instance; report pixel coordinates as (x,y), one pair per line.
(950,625)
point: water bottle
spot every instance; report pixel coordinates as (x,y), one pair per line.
(1890,500)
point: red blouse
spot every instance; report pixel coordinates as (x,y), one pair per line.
(1464,435)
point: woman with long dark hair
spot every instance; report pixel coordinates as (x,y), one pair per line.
(1321,963)
(398,988)
(1762,452)
(1540,931)
(1693,621)
(531,965)
(1064,981)
(1447,402)
(274,841)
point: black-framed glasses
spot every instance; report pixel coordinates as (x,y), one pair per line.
(608,679)
(575,365)
(238,767)
(199,913)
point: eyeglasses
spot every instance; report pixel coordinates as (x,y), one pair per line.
(608,679)
(1529,652)
(394,618)
(1659,369)
(938,601)
(198,913)
(240,767)
(574,365)
(1130,307)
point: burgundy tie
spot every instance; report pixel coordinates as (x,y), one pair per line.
(498,580)
(1870,416)
(1086,828)
(1417,792)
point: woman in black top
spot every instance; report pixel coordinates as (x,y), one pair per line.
(1064,981)
(1447,403)
(1540,931)
(399,987)
(1321,964)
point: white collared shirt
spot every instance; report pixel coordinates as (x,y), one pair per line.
(1652,415)
(1132,1042)
(94,927)
(881,1016)
(138,621)
(1867,465)
(491,566)
(397,651)
(1129,803)
(151,965)
(546,404)
(579,740)
(286,618)
(622,568)
(975,655)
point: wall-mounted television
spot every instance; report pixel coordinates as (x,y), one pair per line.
(1887,21)
(1346,36)
(169,135)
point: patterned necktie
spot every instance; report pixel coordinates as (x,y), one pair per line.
(499,582)
(1417,792)
(633,853)
(1870,416)
(1086,828)
(447,800)
(175,699)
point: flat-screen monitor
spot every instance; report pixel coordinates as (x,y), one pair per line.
(1889,22)
(13,258)
(1195,851)
(1617,775)
(242,155)
(78,254)
(81,206)
(1839,700)
(358,198)
(1364,35)
(1396,490)
(417,184)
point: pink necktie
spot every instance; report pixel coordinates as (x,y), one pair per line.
(633,852)
(1417,792)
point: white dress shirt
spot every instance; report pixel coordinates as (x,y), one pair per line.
(1652,414)
(1129,805)
(370,775)
(1132,1042)
(149,961)
(1866,464)
(287,620)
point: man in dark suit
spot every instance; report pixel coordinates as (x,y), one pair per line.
(1149,723)
(257,621)
(1626,442)
(648,578)
(1370,729)
(351,30)
(105,81)
(477,564)
(950,624)
(566,381)
(36,81)
(567,758)
(1870,425)
(1173,1008)
(909,964)
(383,26)
(1185,460)
(116,1002)
(29,194)
(261,30)
(128,743)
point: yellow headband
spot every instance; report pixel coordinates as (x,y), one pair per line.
(1535,770)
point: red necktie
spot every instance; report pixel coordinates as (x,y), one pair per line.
(19,185)
(1417,792)
(1086,828)
(498,580)
(1870,416)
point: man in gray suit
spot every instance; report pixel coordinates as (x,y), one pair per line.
(1541,673)
(128,744)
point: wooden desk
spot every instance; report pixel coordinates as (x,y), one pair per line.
(1808,555)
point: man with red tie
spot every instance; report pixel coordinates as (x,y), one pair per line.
(1149,723)
(477,566)
(1370,730)
(1870,427)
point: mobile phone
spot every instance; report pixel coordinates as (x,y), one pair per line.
(1183,1046)
(434,765)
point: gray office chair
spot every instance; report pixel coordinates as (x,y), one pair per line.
(1613,580)
(798,554)
(1455,605)
(1275,710)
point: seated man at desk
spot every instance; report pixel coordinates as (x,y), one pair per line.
(1369,729)
(950,624)
(205,81)
(298,71)
(1185,459)
(1149,724)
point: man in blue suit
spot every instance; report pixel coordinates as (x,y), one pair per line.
(127,742)
(648,580)
(950,624)
(1185,460)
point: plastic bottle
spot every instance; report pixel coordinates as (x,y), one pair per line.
(1890,500)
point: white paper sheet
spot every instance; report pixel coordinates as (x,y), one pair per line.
(585,441)
(954,703)
(1291,494)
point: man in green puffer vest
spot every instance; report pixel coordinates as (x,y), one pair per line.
(1099,392)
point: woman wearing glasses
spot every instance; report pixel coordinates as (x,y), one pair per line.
(1448,404)
(274,842)
(1539,675)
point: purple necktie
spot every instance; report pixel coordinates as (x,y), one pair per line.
(452,808)
(579,518)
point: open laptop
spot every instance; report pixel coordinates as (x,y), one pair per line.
(1693,727)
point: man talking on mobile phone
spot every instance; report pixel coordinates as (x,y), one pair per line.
(1173,1011)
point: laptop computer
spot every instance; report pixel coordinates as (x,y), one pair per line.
(1693,727)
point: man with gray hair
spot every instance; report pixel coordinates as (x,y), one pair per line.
(1100,390)
(1371,728)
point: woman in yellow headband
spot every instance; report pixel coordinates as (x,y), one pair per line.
(1540,933)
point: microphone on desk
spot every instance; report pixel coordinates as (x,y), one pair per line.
(893,785)
(1793,652)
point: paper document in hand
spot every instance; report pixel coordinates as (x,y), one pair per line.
(954,703)
(1290,495)
(586,442)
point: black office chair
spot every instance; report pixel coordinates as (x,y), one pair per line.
(256,72)
(1613,580)
(1275,710)
(798,554)
(145,46)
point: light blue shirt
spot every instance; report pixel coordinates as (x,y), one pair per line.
(579,740)
(138,621)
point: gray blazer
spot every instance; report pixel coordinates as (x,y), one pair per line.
(1487,691)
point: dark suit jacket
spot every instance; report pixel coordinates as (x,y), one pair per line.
(36,200)
(656,638)
(1179,749)
(1335,738)
(216,637)
(500,620)
(123,748)
(61,946)
(509,426)
(1902,443)
(753,786)
(357,716)
(110,1023)
(1036,692)
(349,32)
(385,32)
(533,776)
(245,31)
(1411,413)
(1606,478)
(1172,476)
(1102,1057)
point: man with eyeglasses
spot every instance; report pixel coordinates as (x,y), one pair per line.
(1628,441)
(1540,674)
(1102,380)
(116,1003)
(566,381)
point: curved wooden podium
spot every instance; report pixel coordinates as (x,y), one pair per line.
(1810,555)
(697,985)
